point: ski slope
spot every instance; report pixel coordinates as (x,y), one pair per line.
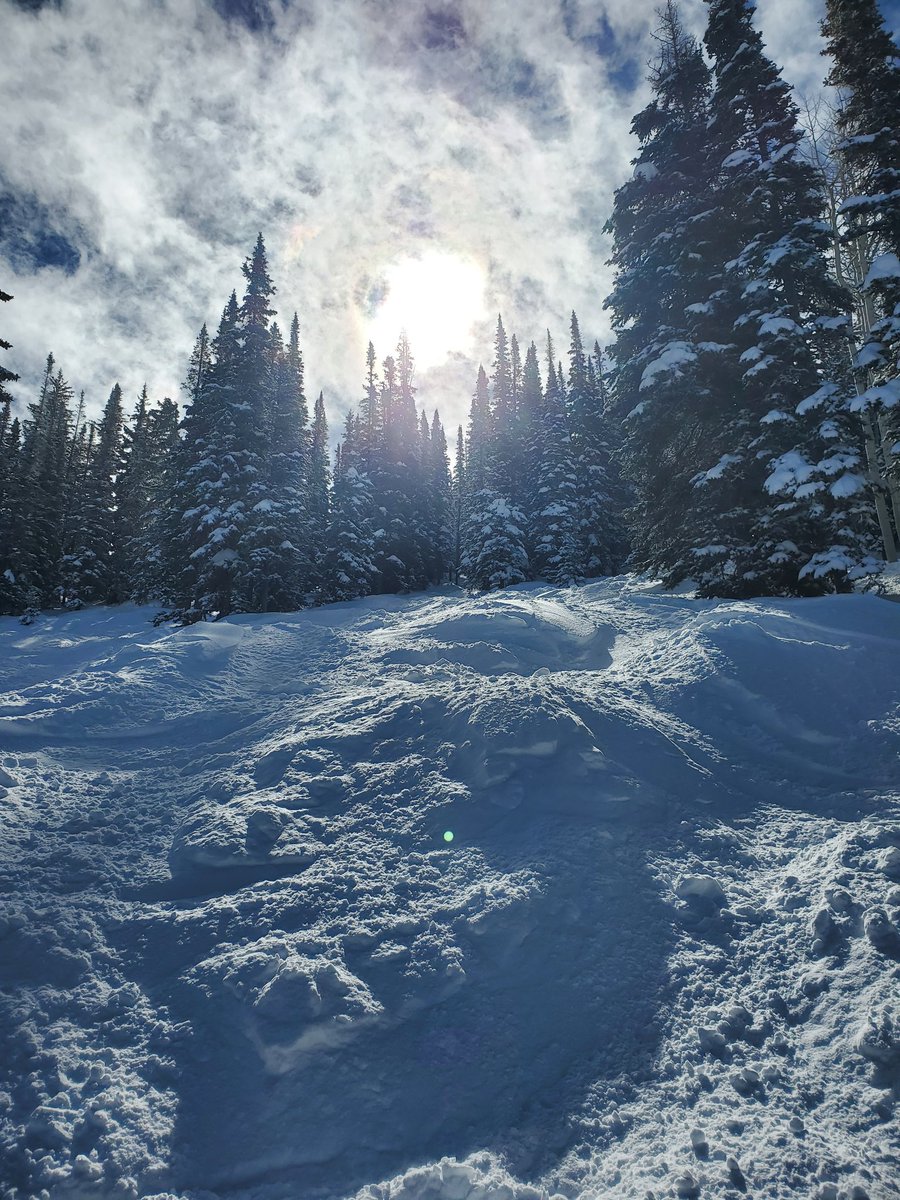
(549,893)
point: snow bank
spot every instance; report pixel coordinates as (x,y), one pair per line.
(548,894)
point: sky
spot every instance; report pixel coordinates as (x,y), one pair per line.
(411,163)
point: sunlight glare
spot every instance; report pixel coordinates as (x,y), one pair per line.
(437,299)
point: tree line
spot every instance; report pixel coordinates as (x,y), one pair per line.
(741,431)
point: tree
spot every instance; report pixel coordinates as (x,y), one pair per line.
(663,261)
(505,468)
(776,508)
(436,528)
(206,531)
(867,151)
(399,480)
(11,596)
(258,564)
(458,494)
(349,566)
(494,554)
(318,484)
(479,438)
(600,534)
(93,536)
(554,515)
(151,447)
(41,501)
(6,376)
(277,531)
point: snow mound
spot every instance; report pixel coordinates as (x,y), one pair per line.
(541,895)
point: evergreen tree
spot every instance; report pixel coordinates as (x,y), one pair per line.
(554,504)
(262,563)
(776,509)
(11,595)
(494,554)
(151,445)
(349,566)
(371,416)
(203,550)
(41,502)
(459,491)
(6,376)
(437,534)
(663,261)
(224,540)
(81,574)
(277,532)
(867,77)
(318,484)
(531,420)
(479,440)
(93,562)
(600,532)
(504,466)
(399,477)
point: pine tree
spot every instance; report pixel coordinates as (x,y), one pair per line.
(775,509)
(459,492)
(866,75)
(11,594)
(663,261)
(96,578)
(41,502)
(6,376)
(554,513)
(479,438)
(292,557)
(81,575)
(202,546)
(371,431)
(318,485)
(260,563)
(437,526)
(494,554)
(504,466)
(349,567)
(223,544)
(599,529)
(399,480)
(531,421)
(151,447)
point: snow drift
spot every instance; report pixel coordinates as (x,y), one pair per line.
(659,956)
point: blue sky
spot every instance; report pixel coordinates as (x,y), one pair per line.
(145,142)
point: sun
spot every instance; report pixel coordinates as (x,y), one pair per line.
(437,299)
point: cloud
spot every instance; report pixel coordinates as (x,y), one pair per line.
(153,140)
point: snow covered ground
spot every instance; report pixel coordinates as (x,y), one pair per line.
(240,956)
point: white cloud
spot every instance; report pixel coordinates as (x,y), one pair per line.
(354,135)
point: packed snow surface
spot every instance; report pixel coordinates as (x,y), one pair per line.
(241,956)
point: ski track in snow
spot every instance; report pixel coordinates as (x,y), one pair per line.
(660,956)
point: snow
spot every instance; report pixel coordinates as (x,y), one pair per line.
(239,959)
(717,471)
(740,158)
(885,395)
(772,326)
(675,356)
(819,397)
(885,266)
(789,471)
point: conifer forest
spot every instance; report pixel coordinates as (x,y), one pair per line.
(742,429)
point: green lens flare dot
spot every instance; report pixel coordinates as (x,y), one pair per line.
(448,836)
